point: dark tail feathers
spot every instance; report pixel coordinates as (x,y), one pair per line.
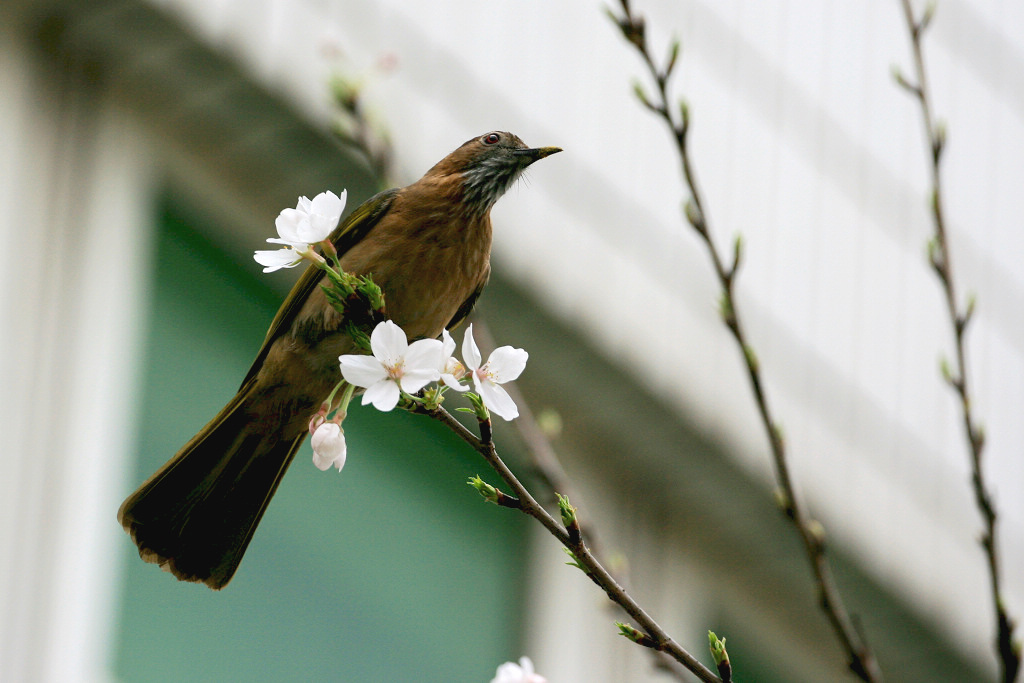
(196,515)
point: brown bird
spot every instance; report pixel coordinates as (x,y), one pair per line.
(428,246)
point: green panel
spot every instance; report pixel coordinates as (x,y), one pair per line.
(392,570)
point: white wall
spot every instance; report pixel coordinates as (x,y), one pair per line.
(74,181)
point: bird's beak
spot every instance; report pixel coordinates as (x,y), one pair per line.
(536,153)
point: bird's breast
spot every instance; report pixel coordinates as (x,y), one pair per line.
(428,263)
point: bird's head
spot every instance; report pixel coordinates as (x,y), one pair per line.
(486,166)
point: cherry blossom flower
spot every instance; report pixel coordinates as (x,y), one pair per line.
(311,221)
(523,672)
(396,366)
(503,365)
(452,370)
(329,446)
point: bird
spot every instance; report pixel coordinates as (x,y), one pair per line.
(427,245)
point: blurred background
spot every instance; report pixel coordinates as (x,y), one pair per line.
(146,148)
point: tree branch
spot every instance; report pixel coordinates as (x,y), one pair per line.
(653,636)
(543,458)
(546,463)
(1008,652)
(861,660)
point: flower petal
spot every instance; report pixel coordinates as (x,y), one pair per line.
(329,441)
(383,395)
(362,371)
(424,354)
(290,245)
(388,343)
(275,259)
(317,228)
(453,383)
(447,345)
(497,400)
(470,352)
(322,463)
(329,204)
(288,223)
(523,672)
(324,213)
(453,366)
(509,672)
(450,365)
(339,462)
(415,379)
(506,364)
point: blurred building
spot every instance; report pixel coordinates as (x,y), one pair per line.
(146,149)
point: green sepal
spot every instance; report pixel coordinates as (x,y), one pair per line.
(489,493)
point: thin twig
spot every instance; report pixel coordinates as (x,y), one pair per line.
(546,463)
(861,660)
(542,455)
(543,458)
(939,254)
(657,638)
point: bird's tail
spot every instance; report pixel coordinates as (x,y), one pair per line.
(196,515)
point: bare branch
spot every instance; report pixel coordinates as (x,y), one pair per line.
(653,635)
(861,660)
(1007,650)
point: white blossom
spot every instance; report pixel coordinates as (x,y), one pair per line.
(523,672)
(503,365)
(451,369)
(298,229)
(311,221)
(329,446)
(395,366)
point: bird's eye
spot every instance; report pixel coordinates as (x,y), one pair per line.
(491,138)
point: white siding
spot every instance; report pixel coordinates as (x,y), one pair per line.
(74,179)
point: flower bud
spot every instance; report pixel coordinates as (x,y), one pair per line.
(329,446)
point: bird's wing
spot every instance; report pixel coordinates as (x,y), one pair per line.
(355,227)
(467,306)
